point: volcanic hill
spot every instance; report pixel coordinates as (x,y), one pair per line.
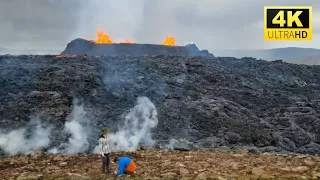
(202,102)
(85,47)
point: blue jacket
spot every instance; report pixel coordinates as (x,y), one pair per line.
(123,162)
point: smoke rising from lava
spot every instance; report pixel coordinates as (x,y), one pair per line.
(136,127)
(134,130)
(78,128)
(17,141)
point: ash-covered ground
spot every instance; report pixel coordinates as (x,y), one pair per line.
(166,165)
(61,104)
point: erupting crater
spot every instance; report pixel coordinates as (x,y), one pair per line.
(105,46)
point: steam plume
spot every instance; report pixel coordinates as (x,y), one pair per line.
(16,141)
(136,127)
(134,130)
(79,130)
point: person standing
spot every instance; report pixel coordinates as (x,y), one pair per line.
(105,151)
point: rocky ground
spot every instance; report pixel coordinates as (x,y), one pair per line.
(164,164)
(211,103)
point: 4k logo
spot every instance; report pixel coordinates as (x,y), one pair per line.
(288,23)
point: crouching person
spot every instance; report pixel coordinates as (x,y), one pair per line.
(125,166)
(105,151)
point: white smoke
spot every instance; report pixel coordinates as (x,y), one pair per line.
(135,130)
(136,127)
(16,141)
(78,142)
(79,129)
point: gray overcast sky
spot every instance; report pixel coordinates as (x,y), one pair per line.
(211,24)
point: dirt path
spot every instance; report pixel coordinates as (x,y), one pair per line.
(161,164)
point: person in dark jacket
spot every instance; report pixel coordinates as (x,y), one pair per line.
(105,151)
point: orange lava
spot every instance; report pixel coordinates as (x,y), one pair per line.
(104,38)
(169,41)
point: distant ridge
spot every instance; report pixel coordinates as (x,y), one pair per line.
(289,54)
(29,51)
(2,49)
